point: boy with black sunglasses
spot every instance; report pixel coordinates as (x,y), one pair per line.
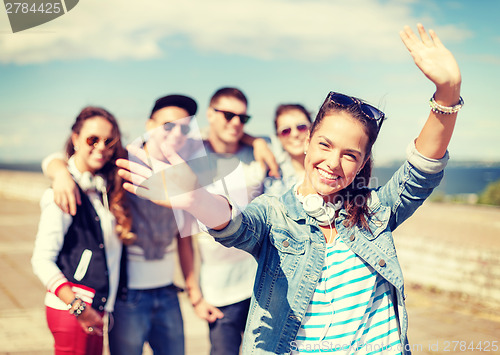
(227,275)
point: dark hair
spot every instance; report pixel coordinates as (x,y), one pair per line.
(181,101)
(285,108)
(355,196)
(118,199)
(228,92)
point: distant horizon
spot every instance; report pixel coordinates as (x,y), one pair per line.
(377,164)
(35,165)
(459,177)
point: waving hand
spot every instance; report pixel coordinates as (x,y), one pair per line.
(170,184)
(431,56)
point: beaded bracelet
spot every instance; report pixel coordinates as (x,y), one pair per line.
(445,110)
(78,310)
(70,305)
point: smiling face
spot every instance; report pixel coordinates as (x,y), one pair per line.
(225,135)
(171,136)
(292,127)
(336,152)
(92,157)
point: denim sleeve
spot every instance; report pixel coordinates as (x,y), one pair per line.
(411,185)
(424,164)
(248,227)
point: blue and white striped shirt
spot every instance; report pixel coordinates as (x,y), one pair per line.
(351,311)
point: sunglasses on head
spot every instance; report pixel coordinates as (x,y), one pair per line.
(230,115)
(285,132)
(371,112)
(168,126)
(93,141)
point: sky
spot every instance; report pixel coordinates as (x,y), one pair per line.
(124,55)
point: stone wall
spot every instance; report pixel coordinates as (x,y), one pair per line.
(466,271)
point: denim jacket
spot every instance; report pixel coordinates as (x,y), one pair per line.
(290,247)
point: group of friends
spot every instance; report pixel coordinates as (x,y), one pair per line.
(303,261)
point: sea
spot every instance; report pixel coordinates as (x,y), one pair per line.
(459,178)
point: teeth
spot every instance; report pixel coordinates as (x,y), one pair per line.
(327,175)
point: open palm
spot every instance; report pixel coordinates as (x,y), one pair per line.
(431,56)
(169,184)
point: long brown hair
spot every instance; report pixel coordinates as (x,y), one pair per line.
(118,202)
(355,196)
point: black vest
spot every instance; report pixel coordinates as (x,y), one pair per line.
(83,234)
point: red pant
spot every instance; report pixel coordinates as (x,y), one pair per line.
(69,336)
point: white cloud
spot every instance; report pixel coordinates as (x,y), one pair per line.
(265,29)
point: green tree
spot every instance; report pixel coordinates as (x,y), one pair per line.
(491,194)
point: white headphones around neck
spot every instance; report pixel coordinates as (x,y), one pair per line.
(315,206)
(89,182)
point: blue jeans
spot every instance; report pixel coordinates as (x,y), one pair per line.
(226,333)
(152,315)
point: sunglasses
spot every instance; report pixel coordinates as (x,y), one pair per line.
(368,110)
(285,132)
(93,141)
(230,115)
(168,126)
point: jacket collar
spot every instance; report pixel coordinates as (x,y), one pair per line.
(293,206)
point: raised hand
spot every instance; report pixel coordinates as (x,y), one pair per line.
(170,184)
(432,57)
(439,65)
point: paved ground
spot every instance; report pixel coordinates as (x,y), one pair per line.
(439,323)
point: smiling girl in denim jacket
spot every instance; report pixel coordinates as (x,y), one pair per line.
(328,278)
